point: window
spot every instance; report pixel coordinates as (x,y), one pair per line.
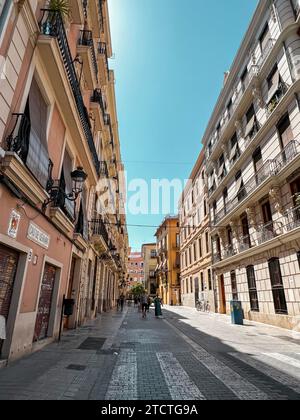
(190,255)
(207,242)
(252,126)
(298,256)
(200,246)
(229,236)
(4,8)
(37,158)
(229,107)
(205,207)
(191,283)
(177,240)
(235,151)
(202,283)
(285,131)
(252,289)
(244,79)
(195,252)
(240,190)
(235,295)
(264,38)
(187,286)
(257,159)
(277,287)
(225,198)
(209,279)
(222,167)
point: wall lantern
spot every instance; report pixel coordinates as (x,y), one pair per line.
(57,193)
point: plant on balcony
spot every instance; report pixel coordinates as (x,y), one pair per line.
(272,105)
(61,6)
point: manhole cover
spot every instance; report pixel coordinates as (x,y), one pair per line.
(92,343)
(76,367)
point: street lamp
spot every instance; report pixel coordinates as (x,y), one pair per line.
(57,193)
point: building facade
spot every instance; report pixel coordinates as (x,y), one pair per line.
(150,263)
(60,171)
(252,161)
(168,261)
(197,282)
(136,273)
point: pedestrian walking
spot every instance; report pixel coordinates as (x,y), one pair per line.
(122,300)
(149,304)
(144,303)
(157,304)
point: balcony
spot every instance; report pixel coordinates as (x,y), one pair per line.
(99,235)
(86,51)
(244,243)
(242,94)
(271,168)
(228,252)
(103,63)
(59,61)
(96,13)
(272,105)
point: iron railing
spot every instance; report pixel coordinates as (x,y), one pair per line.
(98,228)
(97,97)
(86,39)
(102,50)
(18,139)
(282,89)
(270,168)
(244,243)
(52,25)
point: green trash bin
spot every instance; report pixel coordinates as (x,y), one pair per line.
(237,315)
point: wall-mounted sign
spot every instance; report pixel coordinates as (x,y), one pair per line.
(37,235)
(13,226)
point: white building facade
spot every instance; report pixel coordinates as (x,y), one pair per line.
(252,146)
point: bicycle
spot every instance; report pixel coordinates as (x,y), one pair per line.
(203,306)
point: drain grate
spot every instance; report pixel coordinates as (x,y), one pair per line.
(92,343)
(76,367)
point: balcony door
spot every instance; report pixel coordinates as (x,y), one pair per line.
(37,159)
(268,229)
(286,136)
(277,287)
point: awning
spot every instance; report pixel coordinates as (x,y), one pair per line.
(250,126)
(274,87)
(233,152)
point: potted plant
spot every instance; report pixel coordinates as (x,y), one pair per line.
(61,6)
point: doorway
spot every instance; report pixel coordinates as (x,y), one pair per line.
(222,295)
(8,268)
(45,303)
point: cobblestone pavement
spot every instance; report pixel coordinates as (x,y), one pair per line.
(187,355)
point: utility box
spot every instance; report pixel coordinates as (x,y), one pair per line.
(237,315)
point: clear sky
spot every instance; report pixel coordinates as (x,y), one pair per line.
(169,60)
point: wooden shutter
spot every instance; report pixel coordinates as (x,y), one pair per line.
(265,37)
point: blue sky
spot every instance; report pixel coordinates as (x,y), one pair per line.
(169,60)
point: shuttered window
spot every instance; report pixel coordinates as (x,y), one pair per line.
(257,159)
(285,131)
(38,157)
(265,37)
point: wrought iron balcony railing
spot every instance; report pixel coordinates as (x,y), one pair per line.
(86,39)
(97,97)
(98,228)
(270,168)
(281,225)
(101,16)
(52,25)
(102,50)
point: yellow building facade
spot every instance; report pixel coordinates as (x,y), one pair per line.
(168,259)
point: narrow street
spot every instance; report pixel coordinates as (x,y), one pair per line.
(187,355)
